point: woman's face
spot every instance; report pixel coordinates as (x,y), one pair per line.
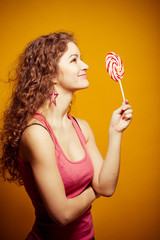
(72,70)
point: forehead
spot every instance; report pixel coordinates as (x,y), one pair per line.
(72,49)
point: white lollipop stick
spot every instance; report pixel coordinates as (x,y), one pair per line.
(121,89)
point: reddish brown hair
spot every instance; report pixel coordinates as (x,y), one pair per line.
(34,74)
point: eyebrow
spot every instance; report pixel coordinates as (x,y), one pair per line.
(74,55)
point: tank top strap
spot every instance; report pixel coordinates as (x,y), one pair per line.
(42,119)
(78,129)
(80,134)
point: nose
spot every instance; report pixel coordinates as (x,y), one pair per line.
(84,65)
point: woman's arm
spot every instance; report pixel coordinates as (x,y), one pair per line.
(37,147)
(106,171)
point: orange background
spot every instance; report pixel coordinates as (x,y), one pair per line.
(131,29)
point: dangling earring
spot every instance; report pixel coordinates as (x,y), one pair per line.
(55,96)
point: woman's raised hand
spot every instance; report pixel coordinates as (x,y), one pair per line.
(121,118)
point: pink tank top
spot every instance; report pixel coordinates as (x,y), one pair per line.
(76,177)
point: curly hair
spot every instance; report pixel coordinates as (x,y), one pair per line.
(37,66)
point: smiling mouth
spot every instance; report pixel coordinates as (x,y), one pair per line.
(83,75)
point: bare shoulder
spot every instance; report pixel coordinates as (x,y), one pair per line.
(34,141)
(85,127)
(33,133)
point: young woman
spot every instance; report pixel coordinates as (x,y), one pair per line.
(53,154)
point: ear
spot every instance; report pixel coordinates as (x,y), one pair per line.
(54,80)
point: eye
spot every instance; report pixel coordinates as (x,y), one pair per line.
(74,60)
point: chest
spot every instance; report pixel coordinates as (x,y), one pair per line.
(77,175)
(70,144)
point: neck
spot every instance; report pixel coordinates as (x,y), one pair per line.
(57,115)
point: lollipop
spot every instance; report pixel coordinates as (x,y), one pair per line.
(115,68)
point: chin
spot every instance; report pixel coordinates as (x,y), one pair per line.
(81,88)
(82,85)
(86,85)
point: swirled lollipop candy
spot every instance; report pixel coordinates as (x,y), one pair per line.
(115,68)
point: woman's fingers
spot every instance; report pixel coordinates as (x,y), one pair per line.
(127,114)
(126,106)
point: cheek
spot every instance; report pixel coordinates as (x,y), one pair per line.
(71,72)
(68,73)
(66,77)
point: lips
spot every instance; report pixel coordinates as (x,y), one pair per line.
(82,75)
